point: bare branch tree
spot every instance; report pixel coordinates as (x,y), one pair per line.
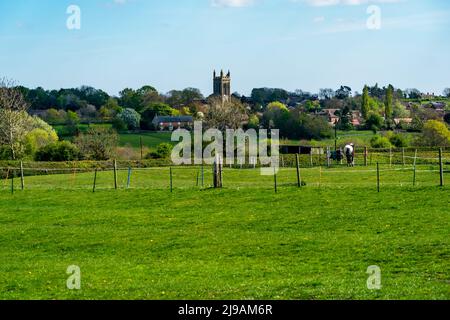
(224,115)
(13,117)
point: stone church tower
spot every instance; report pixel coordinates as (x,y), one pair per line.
(222,85)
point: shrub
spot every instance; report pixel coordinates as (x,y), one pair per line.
(119,124)
(39,138)
(398,140)
(58,151)
(97,143)
(5,153)
(374,122)
(447,118)
(435,134)
(39,135)
(380,142)
(72,118)
(163,151)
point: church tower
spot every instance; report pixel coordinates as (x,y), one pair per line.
(222,85)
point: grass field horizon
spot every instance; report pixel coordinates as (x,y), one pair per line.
(242,242)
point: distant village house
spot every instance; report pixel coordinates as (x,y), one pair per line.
(173,123)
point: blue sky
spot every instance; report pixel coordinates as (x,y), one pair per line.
(173,44)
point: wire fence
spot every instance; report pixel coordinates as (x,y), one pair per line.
(369,157)
(201,177)
(373,168)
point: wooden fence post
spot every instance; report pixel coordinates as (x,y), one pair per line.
(378,176)
(328,157)
(12,182)
(441,168)
(390,157)
(275,180)
(129,178)
(403,156)
(217,174)
(203,174)
(415,169)
(320,176)
(95,181)
(311,158)
(221,171)
(365,156)
(299,182)
(22,182)
(115,174)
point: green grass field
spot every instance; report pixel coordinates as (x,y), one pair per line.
(149,139)
(241,242)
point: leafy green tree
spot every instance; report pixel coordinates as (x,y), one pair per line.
(343,92)
(129,98)
(54,116)
(435,134)
(374,122)
(110,109)
(263,96)
(38,138)
(253,122)
(131,117)
(276,115)
(326,94)
(416,124)
(365,108)
(400,111)
(447,118)
(97,143)
(92,96)
(413,94)
(72,118)
(13,117)
(149,113)
(345,119)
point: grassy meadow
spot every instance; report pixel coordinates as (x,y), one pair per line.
(242,242)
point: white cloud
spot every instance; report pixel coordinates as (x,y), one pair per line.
(319,19)
(120,2)
(232,3)
(423,21)
(324,3)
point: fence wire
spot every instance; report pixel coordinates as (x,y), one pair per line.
(233,178)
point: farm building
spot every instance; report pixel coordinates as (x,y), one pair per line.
(173,123)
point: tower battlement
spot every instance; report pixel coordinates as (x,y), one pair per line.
(222,85)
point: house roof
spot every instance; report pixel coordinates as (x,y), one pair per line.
(159,119)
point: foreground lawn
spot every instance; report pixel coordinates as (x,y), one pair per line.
(312,243)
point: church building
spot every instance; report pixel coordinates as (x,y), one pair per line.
(222,85)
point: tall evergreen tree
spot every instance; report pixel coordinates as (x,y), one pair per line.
(365,103)
(389,104)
